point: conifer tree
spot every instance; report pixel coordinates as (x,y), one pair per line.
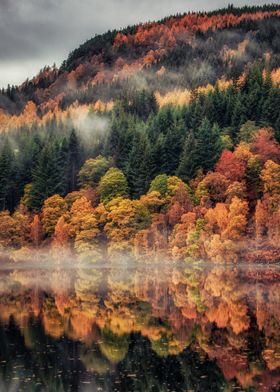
(74,161)
(138,168)
(7,177)
(46,178)
(201,150)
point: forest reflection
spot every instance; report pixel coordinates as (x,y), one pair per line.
(202,328)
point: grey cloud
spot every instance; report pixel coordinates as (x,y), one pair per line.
(38,32)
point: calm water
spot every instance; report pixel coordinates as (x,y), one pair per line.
(140,329)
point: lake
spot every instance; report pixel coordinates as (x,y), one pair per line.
(140,328)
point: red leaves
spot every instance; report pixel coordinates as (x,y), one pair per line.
(230,166)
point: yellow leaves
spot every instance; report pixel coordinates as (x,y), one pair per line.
(100,106)
(84,226)
(182,97)
(270,177)
(176,97)
(54,207)
(80,209)
(125,218)
(14,230)
(153,201)
(205,89)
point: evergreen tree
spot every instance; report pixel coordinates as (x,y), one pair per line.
(46,178)
(7,177)
(138,168)
(74,161)
(201,150)
(173,147)
(189,163)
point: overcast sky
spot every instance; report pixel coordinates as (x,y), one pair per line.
(34,33)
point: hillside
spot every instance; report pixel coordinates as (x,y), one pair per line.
(160,140)
(184,51)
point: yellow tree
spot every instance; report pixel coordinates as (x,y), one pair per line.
(125,218)
(270,177)
(54,207)
(84,227)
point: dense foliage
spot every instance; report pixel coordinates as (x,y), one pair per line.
(190,169)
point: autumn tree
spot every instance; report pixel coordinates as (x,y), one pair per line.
(112,185)
(92,171)
(61,233)
(230,166)
(54,207)
(36,231)
(265,146)
(270,177)
(125,218)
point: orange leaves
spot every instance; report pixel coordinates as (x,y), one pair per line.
(275,76)
(36,231)
(226,226)
(260,220)
(228,221)
(61,233)
(237,219)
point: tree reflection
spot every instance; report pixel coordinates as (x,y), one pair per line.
(142,329)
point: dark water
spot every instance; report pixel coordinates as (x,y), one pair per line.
(203,328)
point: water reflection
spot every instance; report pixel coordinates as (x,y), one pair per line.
(140,329)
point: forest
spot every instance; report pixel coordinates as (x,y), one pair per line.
(157,142)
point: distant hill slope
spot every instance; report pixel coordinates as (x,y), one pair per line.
(183,51)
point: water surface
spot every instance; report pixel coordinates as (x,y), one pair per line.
(144,328)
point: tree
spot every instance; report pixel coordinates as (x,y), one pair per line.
(80,208)
(73,161)
(60,242)
(201,151)
(54,207)
(36,231)
(92,171)
(7,230)
(214,185)
(7,178)
(125,218)
(189,163)
(46,179)
(265,145)
(138,167)
(237,219)
(270,177)
(230,166)
(247,131)
(173,147)
(14,230)
(113,184)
